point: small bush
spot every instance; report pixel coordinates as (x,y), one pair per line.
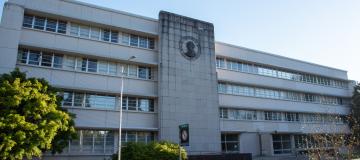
(152,151)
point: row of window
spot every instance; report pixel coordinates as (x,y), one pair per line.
(239,114)
(281,142)
(90,32)
(102,141)
(267,71)
(136,136)
(89,100)
(43,23)
(92,141)
(55,60)
(108,35)
(312,141)
(279,94)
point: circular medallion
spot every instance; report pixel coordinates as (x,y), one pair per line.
(189,47)
(184,135)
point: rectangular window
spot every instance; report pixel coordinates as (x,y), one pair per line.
(68,98)
(220,63)
(124,103)
(46,59)
(22,56)
(51,25)
(87,141)
(100,101)
(28,21)
(281,143)
(151,44)
(112,68)
(134,40)
(58,61)
(99,139)
(143,42)
(132,103)
(114,36)
(92,65)
(61,27)
(133,71)
(69,63)
(78,99)
(224,113)
(95,33)
(34,57)
(103,67)
(144,72)
(74,29)
(105,36)
(144,105)
(109,142)
(229,142)
(125,39)
(84,31)
(39,23)
(292,117)
(81,64)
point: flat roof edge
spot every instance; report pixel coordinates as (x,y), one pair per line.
(271,54)
(111,10)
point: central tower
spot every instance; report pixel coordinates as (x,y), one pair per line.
(188,82)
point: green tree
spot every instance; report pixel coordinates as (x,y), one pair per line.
(354,118)
(31,119)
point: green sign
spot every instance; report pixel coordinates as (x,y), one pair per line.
(184,134)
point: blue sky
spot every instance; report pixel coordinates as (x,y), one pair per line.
(325,32)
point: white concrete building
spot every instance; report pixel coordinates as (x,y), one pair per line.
(233,98)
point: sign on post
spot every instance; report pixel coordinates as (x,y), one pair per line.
(184,134)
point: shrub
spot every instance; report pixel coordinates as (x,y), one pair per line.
(152,151)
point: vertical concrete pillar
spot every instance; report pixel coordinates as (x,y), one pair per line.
(188,82)
(10,30)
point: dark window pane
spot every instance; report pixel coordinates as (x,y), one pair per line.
(83,64)
(143,72)
(151,108)
(134,40)
(58,60)
(131,103)
(28,20)
(92,65)
(22,56)
(124,103)
(232,137)
(39,23)
(61,27)
(67,98)
(114,36)
(78,99)
(151,43)
(46,59)
(143,42)
(105,35)
(131,137)
(51,25)
(34,57)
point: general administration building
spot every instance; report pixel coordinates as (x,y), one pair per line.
(235,99)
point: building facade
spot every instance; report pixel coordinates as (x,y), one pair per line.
(234,99)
